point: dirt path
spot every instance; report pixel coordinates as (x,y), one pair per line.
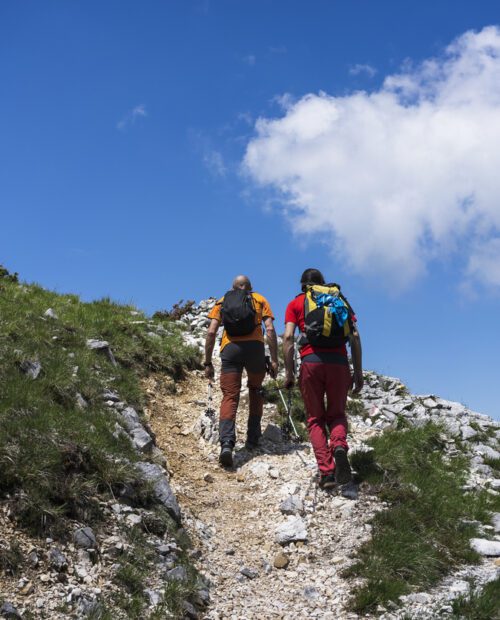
(232,516)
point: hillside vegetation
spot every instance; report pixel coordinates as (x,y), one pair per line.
(63,450)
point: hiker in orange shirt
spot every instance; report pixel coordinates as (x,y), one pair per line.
(242,312)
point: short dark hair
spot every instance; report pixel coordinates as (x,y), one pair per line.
(311,276)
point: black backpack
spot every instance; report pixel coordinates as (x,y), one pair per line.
(238,312)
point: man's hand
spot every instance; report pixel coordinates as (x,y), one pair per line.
(289,381)
(273,369)
(358,382)
(209,371)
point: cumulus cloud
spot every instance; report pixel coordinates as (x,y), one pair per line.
(366,69)
(401,176)
(131,116)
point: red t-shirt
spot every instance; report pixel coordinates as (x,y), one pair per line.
(295,314)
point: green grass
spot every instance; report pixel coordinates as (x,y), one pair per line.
(479,604)
(11,558)
(422,535)
(493,463)
(57,459)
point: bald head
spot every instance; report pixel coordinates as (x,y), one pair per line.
(243,283)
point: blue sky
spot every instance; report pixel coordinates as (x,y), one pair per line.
(131,164)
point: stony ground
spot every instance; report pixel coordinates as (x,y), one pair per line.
(233,516)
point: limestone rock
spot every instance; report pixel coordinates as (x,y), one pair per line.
(251,573)
(292,505)
(154,473)
(294,529)
(141,439)
(7,610)
(58,560)
(31,368)
(50,314)
(486,547)
(273,433)
(84,537)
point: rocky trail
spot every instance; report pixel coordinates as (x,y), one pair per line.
(268,541)
(234,517)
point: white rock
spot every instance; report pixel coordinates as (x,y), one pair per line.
(292,530)
(495,520)
(467,432)
(486,547)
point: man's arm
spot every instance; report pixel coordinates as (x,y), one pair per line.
(355,342)
(209,348)
(288,354)
(272,341)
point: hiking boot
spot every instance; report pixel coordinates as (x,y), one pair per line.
(226,455)
(343,473)
(327,481)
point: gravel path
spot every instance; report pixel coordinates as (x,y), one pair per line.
(232,516)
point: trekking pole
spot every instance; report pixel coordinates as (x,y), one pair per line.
(288,409)
(210,410)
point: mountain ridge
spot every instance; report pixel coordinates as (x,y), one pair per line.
(188,539)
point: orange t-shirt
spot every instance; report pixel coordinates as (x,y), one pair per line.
(262,311)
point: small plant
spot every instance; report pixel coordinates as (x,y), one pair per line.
(493,463)
(11,558)
(177,311)
(7,276)
(356,407)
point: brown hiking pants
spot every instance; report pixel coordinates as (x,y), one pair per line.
(235,357)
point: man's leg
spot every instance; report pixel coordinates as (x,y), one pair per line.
(312,387)
(255,365)
(230,383)
(256,403)
(338,381)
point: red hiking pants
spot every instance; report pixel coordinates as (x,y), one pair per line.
(326,421)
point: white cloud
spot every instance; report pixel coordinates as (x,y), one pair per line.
(214,162)
(366,69)
(131,116)
(250,59)
(212,158)
(484,263)
(395,178)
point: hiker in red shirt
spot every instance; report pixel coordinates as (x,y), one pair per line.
(324,369)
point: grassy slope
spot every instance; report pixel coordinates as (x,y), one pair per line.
(425,532)
(58,459)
